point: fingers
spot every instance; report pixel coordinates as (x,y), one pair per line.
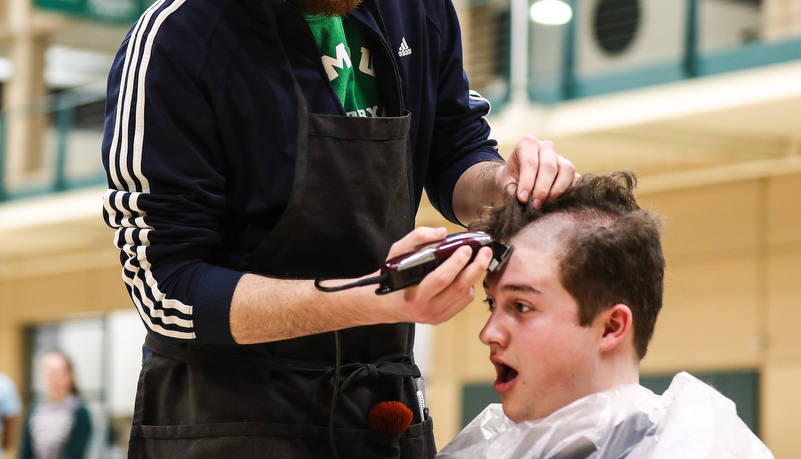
(547,170)
(525,158)
(542,174)
(450,287)
(420,235)
(462,291)
(566,175)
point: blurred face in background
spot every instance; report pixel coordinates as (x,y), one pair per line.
(57,375)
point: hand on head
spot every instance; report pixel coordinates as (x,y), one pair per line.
(536,172)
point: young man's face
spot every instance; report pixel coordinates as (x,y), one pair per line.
(543,358)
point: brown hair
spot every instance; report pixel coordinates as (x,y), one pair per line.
(68,363)
(611,253)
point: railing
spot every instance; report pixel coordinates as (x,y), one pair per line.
(70,144)
(619,45)
(608,46)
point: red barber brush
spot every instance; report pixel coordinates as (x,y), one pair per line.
(389,417)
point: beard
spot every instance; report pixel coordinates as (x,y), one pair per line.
(327,7)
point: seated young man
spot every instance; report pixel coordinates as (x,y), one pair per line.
(572,313)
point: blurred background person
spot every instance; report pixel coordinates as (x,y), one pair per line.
(58,428)
(9,409)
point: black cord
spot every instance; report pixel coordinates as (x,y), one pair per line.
(370,280)
(337,367)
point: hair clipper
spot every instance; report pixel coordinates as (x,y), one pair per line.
(411,267)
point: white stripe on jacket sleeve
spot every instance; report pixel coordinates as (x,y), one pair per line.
(162,315)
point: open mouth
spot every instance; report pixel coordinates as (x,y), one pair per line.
(505,373)
(506,376)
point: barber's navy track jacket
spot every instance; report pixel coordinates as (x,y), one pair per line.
(200,136)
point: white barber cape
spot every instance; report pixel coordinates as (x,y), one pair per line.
(691,420)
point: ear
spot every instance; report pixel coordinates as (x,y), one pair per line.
(617,323)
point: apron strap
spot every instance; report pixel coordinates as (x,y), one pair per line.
(398,365)
(230,360)
(393,365)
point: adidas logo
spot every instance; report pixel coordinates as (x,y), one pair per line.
(404,49)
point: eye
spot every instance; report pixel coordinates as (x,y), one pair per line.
(520,307)
(490,303)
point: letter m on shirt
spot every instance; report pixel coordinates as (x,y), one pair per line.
(341,61)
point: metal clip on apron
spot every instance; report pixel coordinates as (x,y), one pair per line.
(351,198)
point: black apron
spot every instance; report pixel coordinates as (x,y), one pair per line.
(351,199)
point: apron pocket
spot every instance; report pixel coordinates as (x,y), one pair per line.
(259,440)
(418,441)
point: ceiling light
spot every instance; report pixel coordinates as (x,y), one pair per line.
(551,12)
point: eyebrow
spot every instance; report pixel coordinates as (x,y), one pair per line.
(515,288)
(520,288)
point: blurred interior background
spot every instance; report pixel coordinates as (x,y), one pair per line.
(700,98)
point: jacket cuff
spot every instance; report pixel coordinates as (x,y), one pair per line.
(212,305)
(451,176)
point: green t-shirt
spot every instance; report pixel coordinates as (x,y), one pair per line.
(351,74)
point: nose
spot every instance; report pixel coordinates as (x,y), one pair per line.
(494,332)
